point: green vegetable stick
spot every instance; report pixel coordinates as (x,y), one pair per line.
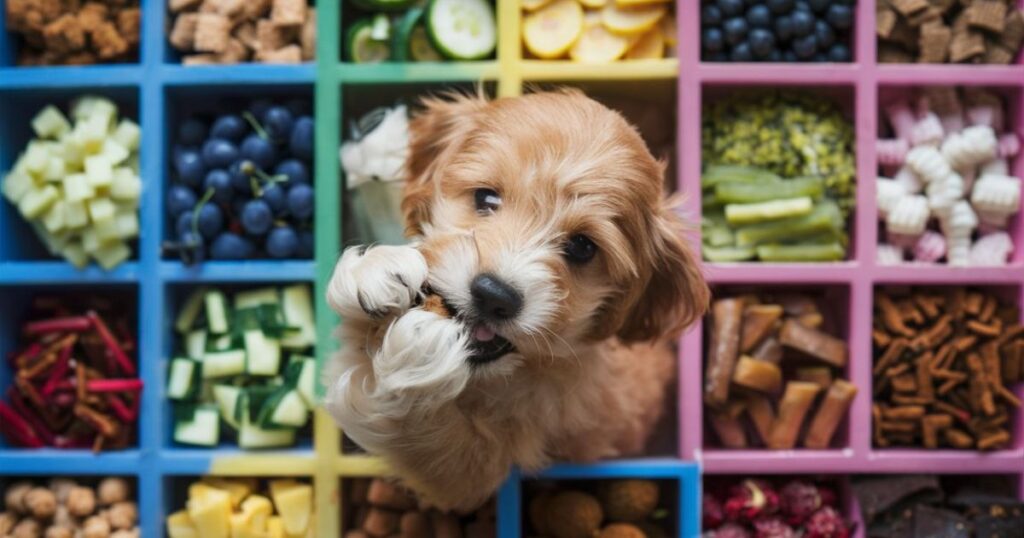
(748,193)
(824,217)
(801,253)
(719,173)
(728,254)
(740,214)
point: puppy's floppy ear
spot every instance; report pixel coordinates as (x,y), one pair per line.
(441,125)
(676,294)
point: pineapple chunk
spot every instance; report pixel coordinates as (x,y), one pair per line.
(53,220)
(99,170)
(275,527)
(77,188)
(127,134)
(238,489)
(209,508)
(16,185)
(179,525)
(126,184)
(75,214)
(294,503)
(260,510)
(101,209)
(75,254)
(37,202)
(111,255)
(50,123)
(114,151)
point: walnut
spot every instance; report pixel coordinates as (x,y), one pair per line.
(123,515)
(56,531)
(112,490)
(81,501)
(41,502)
(126,533)
(62,517)
(27,528)
(61,487)
(7,522)
(14,498)
(96,527)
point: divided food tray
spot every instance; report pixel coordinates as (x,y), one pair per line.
(156,86)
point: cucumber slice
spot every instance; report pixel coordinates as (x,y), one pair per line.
(256,297)
(462,29)
(223,363)
(202,430)
(361,46)
(227,397)
(285,408)
(189,311)
(263,355)
(297,309)
(183,378)
(216,312)
(250,435)
(195,343)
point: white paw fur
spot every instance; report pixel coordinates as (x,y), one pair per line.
(376,282)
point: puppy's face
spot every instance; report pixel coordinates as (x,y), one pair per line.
(543,222)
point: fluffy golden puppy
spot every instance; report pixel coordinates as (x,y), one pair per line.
(541,222)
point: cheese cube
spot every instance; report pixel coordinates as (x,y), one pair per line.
(75,214)
(74,253)
(16,185)
(127,134)
(99,170)
(36,158)
(55,169)
(93,106)
(91,133)
(72,151)
(127,224)
(53,220)
(77,188)
(90,241)
(106,231)
(126,184)
(111,255)
(101,209)
(114,151)
(37,202)
(50,123)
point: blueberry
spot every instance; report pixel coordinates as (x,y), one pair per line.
(229,127)
(761,42)
(241,176)
(710,15)
(278,122)
(735,30)
(220,181)
(274,196)
(191,241)
(819,6)
(230,246)
(260,151)
(191,132)
(712,39)
(259,107)
(306,242)
(741,53)
(282,242)
(219,153)
(803,23)
(179,199)
(759,16)
(789,56)
(294,169)
(183,224)
(719,56)
(805,47)
(840,16)
(801,5)
(300,201)
(839,53)
(256,217)
(730,8)
(189,165)
(780,7)
(775,56)
(299,106)
(824,33)
(783,28)
(210,221)
(301,141)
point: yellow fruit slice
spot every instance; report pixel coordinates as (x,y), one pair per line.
(551,30)
(598,45)
(650,46)
(668,29)
(534,5)
(593,4)
(631,3)
(631,20)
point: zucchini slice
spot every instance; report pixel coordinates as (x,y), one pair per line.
(263,355)
(462,29)
(361,45)
(285,408)
(183,378)
(227,397)
(202,430)
(223,363)
(217,312)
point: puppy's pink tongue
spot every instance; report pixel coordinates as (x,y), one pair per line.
(483,333)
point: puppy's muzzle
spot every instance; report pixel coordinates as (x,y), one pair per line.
(494,299)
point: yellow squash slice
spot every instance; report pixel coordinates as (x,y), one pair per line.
(534,5)
(668,29)
(551,30)
(593,4)
(597,45)
(650,46)
(631,20)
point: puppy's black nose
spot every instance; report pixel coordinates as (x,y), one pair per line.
(494,298)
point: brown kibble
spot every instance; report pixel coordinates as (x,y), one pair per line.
(126,533)
(893,54)
(288,12)
(16,497)
(761,376)
(380,522)
(96,527)
(256,9)
(27,528)
(236,52)
(965,46)
(831,412)
(129,22)
(793,408)
(813,343)
(92,14)
(909,7)
(108,42)
(292,54)
(246,34)
(758,322)
(574,514)
(81,501)
(212,34)
(112,490)
(987,15)
(183,33)
(123,515)
(1013,32)
(64,35)
(270,37)
(42,503)
(200,59)
(55,531)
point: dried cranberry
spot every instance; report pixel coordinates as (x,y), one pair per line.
(826,523)
(751,500)
(773,527)
(711,512)
(798,500)
(729,530)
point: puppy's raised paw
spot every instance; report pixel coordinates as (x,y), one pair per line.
(376,282)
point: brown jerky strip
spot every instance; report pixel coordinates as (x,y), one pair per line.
(931,425)
(949,385)
(901,426)
(1012,363)
(927,304)
(1013,332)
(761,413)
(793,408)
(904,383)
(1007,395)
(972,305)
(907,412)
(831,412)
(880,338)
(990,330)
(729,430)
(952,410)
(937,334)
(814,343)
(988,309)
(820,375)
(891,316)
(813,320)
(758,322)
(997,439)
(727,317)
(770,350)
(925,389)
(761,376)
(980,394)
(965,342)
(900,399)
(943,357)
(958,438)
(101,423)
(876,426)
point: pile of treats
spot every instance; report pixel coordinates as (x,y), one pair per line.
(945,365)
(768,360)
(780,178)
(948,193)
(78,184)
(73,32)
(939,31)
(242,508)
(74,384)
(599,31)
(605,509)
(758,508)
(66,509)
(380,508)
(235,31)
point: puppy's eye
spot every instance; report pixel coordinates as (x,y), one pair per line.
(487,201)
(580,249)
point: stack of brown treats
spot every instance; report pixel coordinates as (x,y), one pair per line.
(73,32)
(944,362)
(235,31)
(768,360)
(939,31)
(381,509)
